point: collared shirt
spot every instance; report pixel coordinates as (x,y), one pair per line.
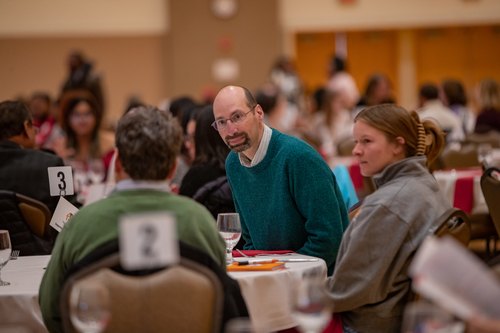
(130,184)
(261,151)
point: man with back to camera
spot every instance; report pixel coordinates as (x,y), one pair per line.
(286,194)
(23,169)
(148,141)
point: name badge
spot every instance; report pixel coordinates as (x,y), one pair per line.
(60,181)
(148,240)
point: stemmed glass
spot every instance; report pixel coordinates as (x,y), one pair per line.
(312,308)
(229,227)
(5,251)
(89,307)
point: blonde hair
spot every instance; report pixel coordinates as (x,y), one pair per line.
(489,94)
(421,137)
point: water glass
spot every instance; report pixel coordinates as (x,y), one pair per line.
(5,251)
(425,317)
(229,227)
(89,307)
(312,308)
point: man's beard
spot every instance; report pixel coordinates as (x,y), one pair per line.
(240,146)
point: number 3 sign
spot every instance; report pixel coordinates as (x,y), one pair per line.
(60,181)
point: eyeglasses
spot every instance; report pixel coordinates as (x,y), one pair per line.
(236,118)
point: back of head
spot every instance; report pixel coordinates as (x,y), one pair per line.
(148,141)
(267,97)
(179,104)
(13,114)
(209,146)
(337,65)
(421,137)
(429,91)
(454,92)
(489,94)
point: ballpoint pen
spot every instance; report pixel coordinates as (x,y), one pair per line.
(255,261)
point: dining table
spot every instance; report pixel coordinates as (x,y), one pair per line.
(19,309)
(462,188)
(267,293)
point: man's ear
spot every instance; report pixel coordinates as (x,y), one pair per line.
(117,162)
(259,112)
(172,170)
(28,134)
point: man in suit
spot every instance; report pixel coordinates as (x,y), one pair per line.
(22,168)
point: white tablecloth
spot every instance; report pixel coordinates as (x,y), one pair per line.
(19,310)
(268,293)
(469,199)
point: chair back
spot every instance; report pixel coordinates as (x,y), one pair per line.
(182,298)
(27,221)
(490,186)
(456,223)
(36,214)
(465,157)
(354,210)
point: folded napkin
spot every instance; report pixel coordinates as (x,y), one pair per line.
(334,326)
(271,266)
(252,253)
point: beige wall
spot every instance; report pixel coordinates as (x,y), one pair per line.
(129,66)
(196,37)
(83,18)
(163,48)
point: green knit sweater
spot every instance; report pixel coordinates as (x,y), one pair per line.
(96,224)
(290,200)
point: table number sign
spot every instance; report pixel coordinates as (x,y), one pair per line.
(63,213)
(60,181)
(148,240)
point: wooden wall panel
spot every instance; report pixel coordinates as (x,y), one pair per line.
(371,52)
(313,54)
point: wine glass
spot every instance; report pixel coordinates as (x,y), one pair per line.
(229,227)
(425,317)
(483,151)
(5,251)
(89,307)
(312,308)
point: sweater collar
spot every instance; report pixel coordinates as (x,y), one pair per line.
(261,151)
(410,166)
(130,184)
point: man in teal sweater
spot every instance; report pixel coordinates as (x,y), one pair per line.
(286,194)
(148,141)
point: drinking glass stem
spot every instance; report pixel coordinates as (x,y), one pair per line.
(229,256)
(3,283)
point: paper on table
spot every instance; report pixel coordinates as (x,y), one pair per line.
(256,267)
(451,276)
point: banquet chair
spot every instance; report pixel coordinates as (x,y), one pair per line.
(490,185)
(36,214)
(465,157)
(456,223)
(186,297)
(27,221)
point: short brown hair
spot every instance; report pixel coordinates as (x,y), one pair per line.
(148,142)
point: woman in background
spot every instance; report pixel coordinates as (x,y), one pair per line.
(206,180)
(85,149)
(488,100)
(370,285)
